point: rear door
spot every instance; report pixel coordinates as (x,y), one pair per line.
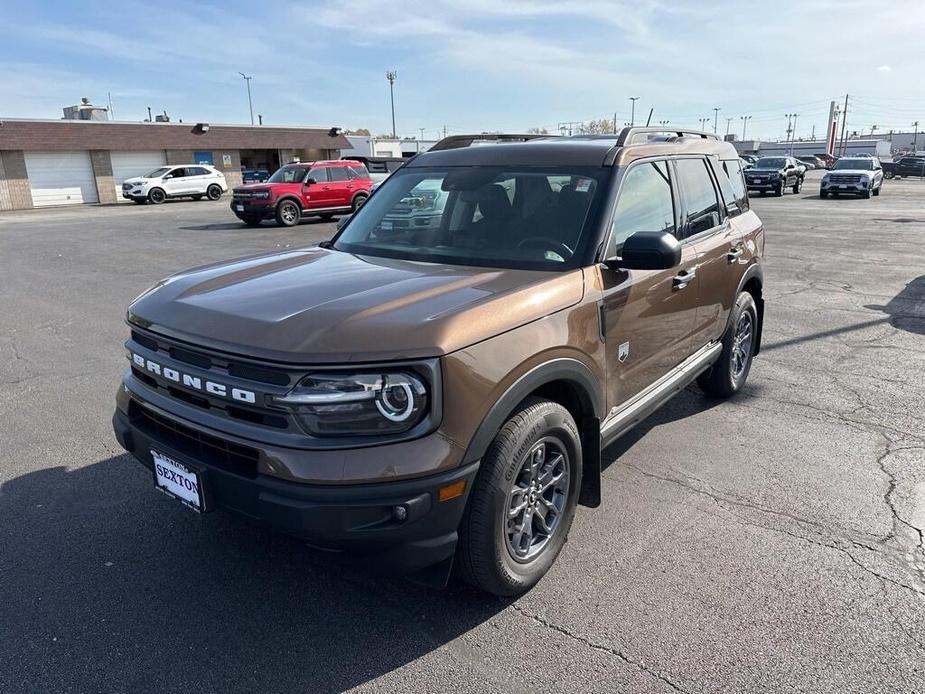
(341,186)
(198,179)
(648,315)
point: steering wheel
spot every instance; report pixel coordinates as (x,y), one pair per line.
(547,244)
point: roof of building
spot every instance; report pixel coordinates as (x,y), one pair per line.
(24,134)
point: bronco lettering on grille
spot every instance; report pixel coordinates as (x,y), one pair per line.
(194,382)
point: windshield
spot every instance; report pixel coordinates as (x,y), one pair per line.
(771,163)
(157,173)
(289,174)
(856,164)
(528,218)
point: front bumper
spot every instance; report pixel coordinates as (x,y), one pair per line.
(253,209)
(358,519)
(766,184)
(849,188)
(133,194)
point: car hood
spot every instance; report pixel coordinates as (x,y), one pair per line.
(850,172)
(136,180)
(759,172)
(257,186)
(320,306)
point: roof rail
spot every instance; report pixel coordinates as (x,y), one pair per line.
(629,135)
(459,141)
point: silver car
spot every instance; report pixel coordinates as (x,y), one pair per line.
(861,176)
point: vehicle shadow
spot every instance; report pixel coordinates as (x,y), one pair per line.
(238,226)
(98,571)
(906,310)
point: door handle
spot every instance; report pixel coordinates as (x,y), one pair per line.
(683,279)
(734,254)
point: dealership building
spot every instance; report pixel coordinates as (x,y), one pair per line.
(71,162)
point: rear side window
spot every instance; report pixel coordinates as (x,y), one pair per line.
(197,171)
(338,173)
(732,184)
(700,199)
(645,204)
(356,172)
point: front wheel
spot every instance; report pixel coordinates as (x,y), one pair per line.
(727,375)
(214,192)
(523,500)
(288,213)
(780,189)
(877,190)
(157,196)
(823,194)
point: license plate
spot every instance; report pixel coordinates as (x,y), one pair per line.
(239,208)
(177,481)
(843,187)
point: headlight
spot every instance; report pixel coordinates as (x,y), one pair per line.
(337,404)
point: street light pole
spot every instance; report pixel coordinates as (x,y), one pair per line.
(915,137)
(390,76)
(745,120)
(794,137)
(728,125)
(250,104)
(633,110)
(716,111)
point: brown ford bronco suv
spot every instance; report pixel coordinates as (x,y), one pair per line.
(437,397)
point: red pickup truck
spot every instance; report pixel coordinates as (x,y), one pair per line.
(321,188)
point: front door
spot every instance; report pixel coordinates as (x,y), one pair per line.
(648,315)
(342,186)
(175,182)
(317,195)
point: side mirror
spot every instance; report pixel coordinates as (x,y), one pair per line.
(168,177)
(342,222)
(648,250)
(310,181)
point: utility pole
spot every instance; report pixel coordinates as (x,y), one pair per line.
(844,122)
(794,137)
(614,122)
(633,110)
(813,136)
(788,131)
(716,111)
(728,125)
(390,76)
(915,137)
(260,119)
(745,120)
(444,131)
(150,119)
(250,103)
(421,140)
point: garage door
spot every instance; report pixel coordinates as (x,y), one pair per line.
(130,164)
(61,178)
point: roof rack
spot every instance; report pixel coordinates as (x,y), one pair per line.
(628,135)
(459,141)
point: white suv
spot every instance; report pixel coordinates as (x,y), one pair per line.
(193,181)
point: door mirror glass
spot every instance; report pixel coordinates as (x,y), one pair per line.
(648,250)
(310,181)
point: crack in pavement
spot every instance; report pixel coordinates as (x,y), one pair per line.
(601,648)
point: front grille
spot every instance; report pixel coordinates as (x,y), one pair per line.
(844,178)
(225,455)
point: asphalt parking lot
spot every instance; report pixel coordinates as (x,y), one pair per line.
(769,543)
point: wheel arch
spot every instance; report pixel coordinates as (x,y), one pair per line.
(569,383)
(753,283)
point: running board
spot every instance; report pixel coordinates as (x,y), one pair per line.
(660,392)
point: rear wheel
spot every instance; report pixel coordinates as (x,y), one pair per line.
(523,500)
(358,202)
(157,196)
(288,213)
(727,376)
(798,186)
(214,192)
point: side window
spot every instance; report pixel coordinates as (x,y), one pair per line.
(732,183)
(320,174)
(338,173)
(178,173)
(700,199)
(376,167)
(645,204)
(356,172)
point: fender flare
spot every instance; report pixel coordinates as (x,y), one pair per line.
(287,196)
(591,395)
(363,193)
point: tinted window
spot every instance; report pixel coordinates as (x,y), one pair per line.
(197,171)
(354,172)
(771,163)
(178,173)
(645,204)
(338,173)
(733,171)
(289,174)
(856,164)
(699,195)
(376,167)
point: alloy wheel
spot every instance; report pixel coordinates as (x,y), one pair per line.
(536,501)
(742,344)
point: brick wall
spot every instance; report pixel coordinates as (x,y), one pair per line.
(102,171)
(175,157)
(16,180)
(233,171)
(5,202)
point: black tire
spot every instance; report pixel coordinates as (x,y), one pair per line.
(780,189)
(889,174)
(288,213)
(486,553)
(877,190)
(798,186)
(823,194)
(156,196)
(728,374)
(358,202)
(252,221)
(139,201)
(214,192)
(866,194)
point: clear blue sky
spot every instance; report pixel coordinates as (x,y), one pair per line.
(470,64)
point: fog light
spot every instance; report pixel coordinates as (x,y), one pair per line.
(399,513)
